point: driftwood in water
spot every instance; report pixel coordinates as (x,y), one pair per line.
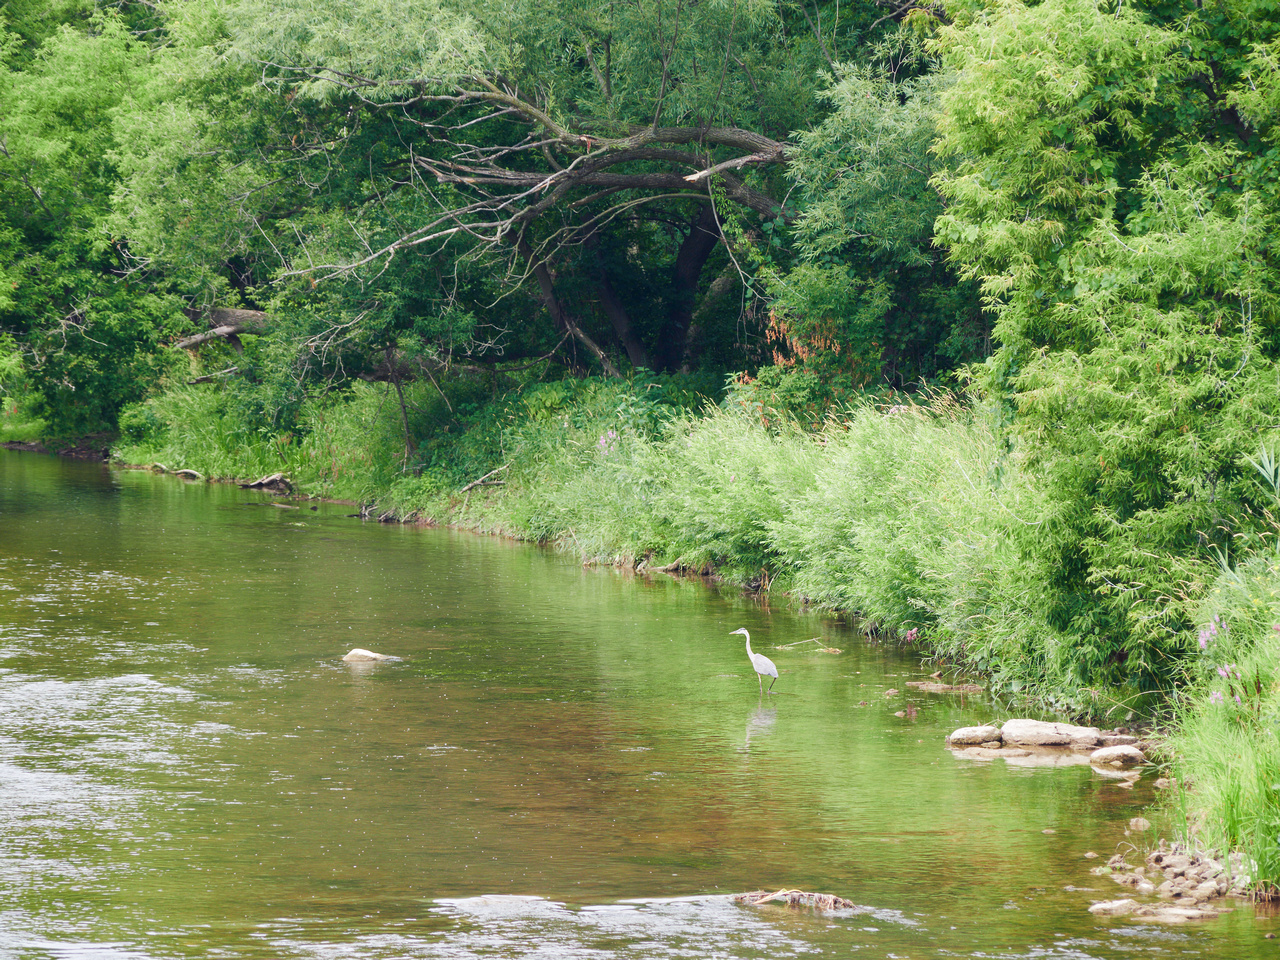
(929,686)
(274,481)
(795,898)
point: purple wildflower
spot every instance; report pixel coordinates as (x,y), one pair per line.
(1215,697)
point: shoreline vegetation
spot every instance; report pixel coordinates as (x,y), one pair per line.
(910,513)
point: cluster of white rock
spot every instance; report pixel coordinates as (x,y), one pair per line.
(1186,884)
(1189,881)
(1037,742)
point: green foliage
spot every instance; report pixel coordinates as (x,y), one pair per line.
(777,394)
(869,299)
(100,359)
(17,421)
(92,335)
(1117,220)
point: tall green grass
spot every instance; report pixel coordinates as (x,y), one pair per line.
(910,516)
(349,446)
(1226,739)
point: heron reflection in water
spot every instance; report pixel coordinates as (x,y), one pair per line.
(762,665)
(759,724)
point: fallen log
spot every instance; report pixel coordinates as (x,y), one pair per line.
(795,898)
(225,323)
(275,481)
(485,481)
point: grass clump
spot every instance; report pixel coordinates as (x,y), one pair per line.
(18,421)
(346,446)
(1226,738)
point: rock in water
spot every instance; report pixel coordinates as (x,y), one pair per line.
(1121,756)
(1038,733)
(974,735)
(1114,908)
(360,655)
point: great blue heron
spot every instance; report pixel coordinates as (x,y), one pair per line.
(762,665)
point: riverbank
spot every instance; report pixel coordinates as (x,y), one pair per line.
(917,516)
(93,447)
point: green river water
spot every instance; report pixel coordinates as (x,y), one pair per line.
(565,762)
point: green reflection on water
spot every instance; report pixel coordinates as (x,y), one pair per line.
(189,768)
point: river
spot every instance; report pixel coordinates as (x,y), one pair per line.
(564,762)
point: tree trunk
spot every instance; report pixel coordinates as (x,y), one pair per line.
(561,317)
(613,308)
(409,451)
(704,234)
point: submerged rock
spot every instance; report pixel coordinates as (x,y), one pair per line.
(796,898)
(1115,908)
(933,686)
(1190,880)
(360,655)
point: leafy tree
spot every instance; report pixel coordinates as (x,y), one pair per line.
(870,297)
(579,160)
(89,338)
(1110,192)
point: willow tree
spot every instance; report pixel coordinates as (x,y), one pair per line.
(592,153)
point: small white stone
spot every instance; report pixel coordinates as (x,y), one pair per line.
(360,655)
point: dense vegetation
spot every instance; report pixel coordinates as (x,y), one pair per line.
(961,317)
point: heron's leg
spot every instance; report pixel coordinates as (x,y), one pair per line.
(771,683)
(761,681)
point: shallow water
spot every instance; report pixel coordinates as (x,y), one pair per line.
(565,762)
